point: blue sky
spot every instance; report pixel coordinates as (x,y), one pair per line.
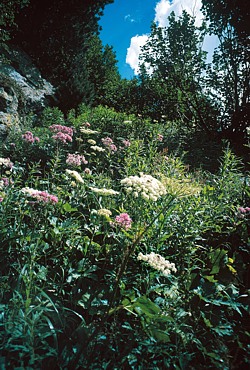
(126,25)
(121,21)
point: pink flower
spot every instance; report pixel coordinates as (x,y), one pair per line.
(43,196)
(76,159)
(160,137)
(29,137)
(126,143)
(60,128)
(108,142)
(40,195)
(244,210)
(123,220)
(86,124)
(5,181)
(1,199)
(60,136)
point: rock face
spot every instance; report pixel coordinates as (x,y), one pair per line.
(22,88)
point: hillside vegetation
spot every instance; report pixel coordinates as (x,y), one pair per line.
(125,210)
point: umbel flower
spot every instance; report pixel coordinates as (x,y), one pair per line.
(158,262)
(104,191)
(146,185)
(97,148)
(104,212)
(75,175)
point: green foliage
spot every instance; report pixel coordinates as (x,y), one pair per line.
(76,280)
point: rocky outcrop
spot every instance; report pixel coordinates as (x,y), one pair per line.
(22,88)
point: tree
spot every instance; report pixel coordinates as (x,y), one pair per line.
(172,72)
(229,74)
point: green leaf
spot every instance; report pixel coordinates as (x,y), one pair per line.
(159,335)
(144,305)
(67,207)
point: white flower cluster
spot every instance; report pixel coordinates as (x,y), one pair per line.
(104,212)
(97,148)
(147,186)
(88,131)
(75,175)
(91,142)
(6,162)
(104,191)
(158,263)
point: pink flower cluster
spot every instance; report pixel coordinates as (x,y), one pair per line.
(86,124)
(126,143)
(108,142)
(43,196)
(160,137)
(244,210)
(123,220)
(60,136)
(76,159)
(5,181)
(63,133)
(29,137)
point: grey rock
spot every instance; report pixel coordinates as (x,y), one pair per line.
(22,88)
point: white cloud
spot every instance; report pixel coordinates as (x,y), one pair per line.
(162,11)
(133,51)
(165,7)
(129,18)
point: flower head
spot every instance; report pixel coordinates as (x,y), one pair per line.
(40,196)
(87,131)
(104,191)
(76,159)
(60,136)
(126,143)
(75,175)
(104,212)
(158,262)
(160,137)
(108,142)
(146,186)
(123,220)
(29,137)
(60,128)
(6,162)
(97,148)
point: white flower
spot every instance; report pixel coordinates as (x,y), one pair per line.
(88,131)
(104,212)
(158,262)
(6,162)
(92,142)
(75,175)
(104,191)
(29,191)
(97,148)
(145,185)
